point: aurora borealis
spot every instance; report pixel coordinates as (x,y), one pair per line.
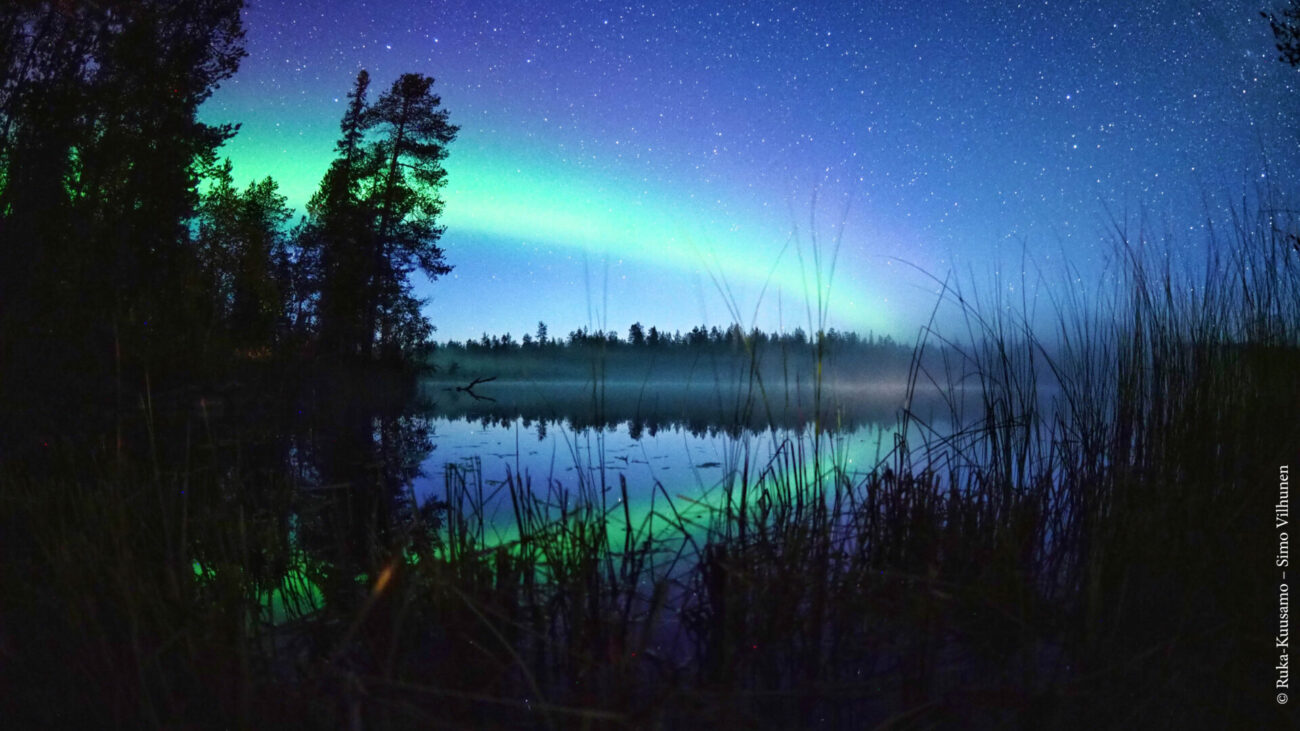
(621,162)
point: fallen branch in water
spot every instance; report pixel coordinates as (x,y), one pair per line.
(470,388)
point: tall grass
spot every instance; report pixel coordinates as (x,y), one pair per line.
(1085,543)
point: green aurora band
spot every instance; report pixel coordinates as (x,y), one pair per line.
(494,197)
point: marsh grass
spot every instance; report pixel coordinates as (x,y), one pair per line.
(1087,544)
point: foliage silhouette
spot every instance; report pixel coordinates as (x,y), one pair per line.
(101,147)
(1286,32)
(374,220)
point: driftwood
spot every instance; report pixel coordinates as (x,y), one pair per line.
(469,389)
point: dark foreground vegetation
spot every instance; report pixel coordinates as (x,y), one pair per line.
(1107,561)
(206,517)
(133,263)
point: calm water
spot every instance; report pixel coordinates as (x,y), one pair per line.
(689,441)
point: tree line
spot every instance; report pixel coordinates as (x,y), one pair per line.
(638,335)
(644,352)
(128,254)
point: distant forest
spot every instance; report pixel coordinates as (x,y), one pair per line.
(705,353)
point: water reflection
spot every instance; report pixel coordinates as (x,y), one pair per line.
(701,408)
(373,466)
(690,439)
(356,449)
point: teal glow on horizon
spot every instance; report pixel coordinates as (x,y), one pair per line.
(494,197)
(503,197)
(621,164)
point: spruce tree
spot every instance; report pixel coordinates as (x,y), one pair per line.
(243,253)
(337,236)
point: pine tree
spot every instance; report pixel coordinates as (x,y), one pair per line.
(413,138)
(374,220)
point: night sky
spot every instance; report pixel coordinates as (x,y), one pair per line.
(621,162)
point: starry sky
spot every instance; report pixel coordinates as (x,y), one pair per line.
(676,162)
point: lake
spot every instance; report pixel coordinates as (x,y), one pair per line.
(683,440)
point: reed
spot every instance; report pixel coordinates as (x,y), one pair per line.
(1082,544)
